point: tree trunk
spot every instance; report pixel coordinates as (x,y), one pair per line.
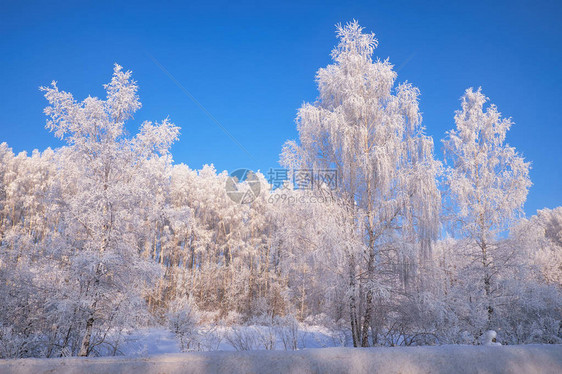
(369,300)
(85,347)
(369,308)
(487,280)
(355,326)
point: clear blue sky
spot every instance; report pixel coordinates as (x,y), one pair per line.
(252,64)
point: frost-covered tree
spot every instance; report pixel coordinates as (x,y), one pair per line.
(27,219)
(370,131)
(103,201)
(488,182)
(540,240)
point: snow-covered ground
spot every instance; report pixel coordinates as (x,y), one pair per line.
(527,359)
(154,341)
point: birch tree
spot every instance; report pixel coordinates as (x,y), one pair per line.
(488,181)
(370,131)
(102,192)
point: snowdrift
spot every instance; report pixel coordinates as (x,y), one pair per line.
(438,359)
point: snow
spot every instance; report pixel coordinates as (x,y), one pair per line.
(154,341)
(489,338)
(157,341)
(542,359)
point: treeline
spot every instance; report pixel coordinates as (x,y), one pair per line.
(106,234)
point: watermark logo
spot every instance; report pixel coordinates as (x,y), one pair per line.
(243,186)
(303,179)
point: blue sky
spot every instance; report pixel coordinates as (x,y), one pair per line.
(252,64)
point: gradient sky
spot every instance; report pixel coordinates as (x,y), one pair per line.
(252,64)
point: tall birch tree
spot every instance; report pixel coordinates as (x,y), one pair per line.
(487,179)
(103,199)
(371,132)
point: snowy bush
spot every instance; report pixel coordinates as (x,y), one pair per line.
(13,345)
(287,329)
(243,338)
(183,320)
(264,326)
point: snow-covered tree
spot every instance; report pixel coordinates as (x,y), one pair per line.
(103,199)
(370,131)
(488,182)
(540,240)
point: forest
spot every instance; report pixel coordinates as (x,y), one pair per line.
(398,246)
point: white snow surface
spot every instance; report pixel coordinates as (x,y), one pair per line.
(157,340)
(152,341)
(542,359)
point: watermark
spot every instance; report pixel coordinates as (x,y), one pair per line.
(282,197)
(243,185)
(303,179)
